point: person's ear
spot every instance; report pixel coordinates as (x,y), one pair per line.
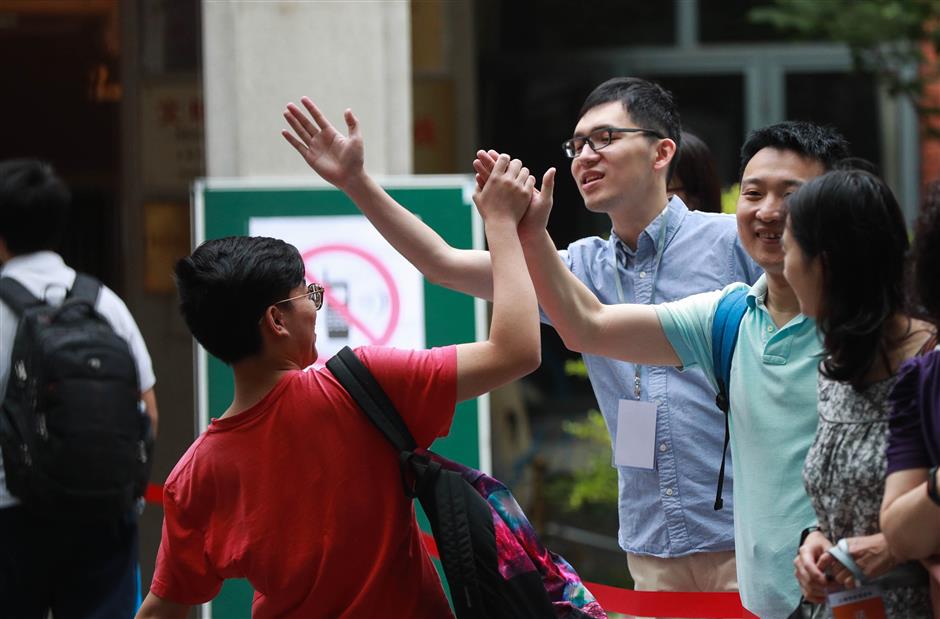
(273,320)
(665,151)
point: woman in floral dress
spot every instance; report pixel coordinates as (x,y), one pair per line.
(845,245)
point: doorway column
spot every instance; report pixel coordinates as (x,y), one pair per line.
(260,55)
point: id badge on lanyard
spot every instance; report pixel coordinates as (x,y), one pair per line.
(859,603)
(636,434)
(636,420)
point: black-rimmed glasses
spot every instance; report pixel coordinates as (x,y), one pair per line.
(600,139)
(314,293)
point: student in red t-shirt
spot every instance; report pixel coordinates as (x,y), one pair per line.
(292,487)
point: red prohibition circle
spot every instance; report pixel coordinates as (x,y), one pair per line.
(394,301)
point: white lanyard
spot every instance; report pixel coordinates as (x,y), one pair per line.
(660,248)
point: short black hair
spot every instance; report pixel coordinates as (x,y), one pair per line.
(857,163)
(839,217)
(225,286)
(695,169)
(649,105)
(926,257)
(823,144)
(34,205)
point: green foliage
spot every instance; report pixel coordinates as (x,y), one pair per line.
(594,485)
(729,199)
(576,367)
(597,482)
(883,36)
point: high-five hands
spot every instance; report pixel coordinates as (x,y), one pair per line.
(507,193)
(535,218)
(338,159)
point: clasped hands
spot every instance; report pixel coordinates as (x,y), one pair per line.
(816,569)
(506,189)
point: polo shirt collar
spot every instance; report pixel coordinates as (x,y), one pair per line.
(756,299)
(757,294)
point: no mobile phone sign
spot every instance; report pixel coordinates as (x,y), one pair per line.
(372,296)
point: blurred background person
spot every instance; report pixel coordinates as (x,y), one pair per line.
(695,179)
(66,563)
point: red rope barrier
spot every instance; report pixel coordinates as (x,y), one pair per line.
(154,494)
(680,604)
(686,605)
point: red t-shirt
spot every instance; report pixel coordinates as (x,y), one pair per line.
(302,496)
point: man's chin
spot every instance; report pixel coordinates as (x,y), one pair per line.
(596,206)
(771,266)
(766,258)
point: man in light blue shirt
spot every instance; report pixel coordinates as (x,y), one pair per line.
(774,368)
(621,155)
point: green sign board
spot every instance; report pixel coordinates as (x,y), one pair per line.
(376,297)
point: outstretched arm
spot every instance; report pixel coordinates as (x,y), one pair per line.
(513,348)
(628,332)
(339,160)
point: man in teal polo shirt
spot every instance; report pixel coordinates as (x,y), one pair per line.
(774,368)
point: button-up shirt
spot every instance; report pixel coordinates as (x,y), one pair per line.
(773,422)
(667,511)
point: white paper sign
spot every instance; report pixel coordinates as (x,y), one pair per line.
(372,296)
(636,434)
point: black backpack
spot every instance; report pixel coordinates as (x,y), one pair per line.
(469,512)
(76,443)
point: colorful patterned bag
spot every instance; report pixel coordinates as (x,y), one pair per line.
(494,563)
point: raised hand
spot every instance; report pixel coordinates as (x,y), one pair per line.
(507,192)
(338,159)
(540,207)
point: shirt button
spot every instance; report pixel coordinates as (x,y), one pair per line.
(770,328)
(662,447)
(668,491)
(642,274)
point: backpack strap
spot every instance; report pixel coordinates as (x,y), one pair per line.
(368,394)
(728,316)
(17,296)
(85,288)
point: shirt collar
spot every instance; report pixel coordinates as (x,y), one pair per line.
(673,214)
(756,299)
(34,261)
(677,212)
(757,293)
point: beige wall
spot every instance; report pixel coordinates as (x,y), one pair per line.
(260,55)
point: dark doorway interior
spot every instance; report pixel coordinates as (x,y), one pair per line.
(60,69)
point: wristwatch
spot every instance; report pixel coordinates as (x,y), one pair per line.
(932,486)
(806,533)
